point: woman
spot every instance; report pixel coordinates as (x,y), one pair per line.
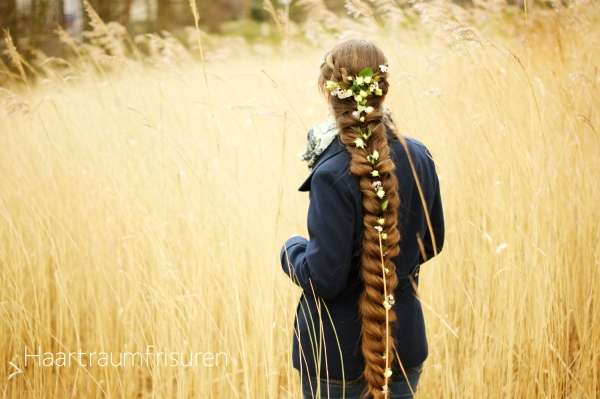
(359,329)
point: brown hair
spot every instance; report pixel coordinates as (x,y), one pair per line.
(348,58)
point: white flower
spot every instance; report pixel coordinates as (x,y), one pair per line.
(391,300)
(387,271)
(362,118)
(376,184)
(375,173)
(359,143)
(388,302)
(358,98)
(367,79)
(368,110)
(380,220)
(341,93)
(378,92)
(349,77)
(384,389)
(384,236)
(383,68)
(344,93)
(359,80)
(380,193)
(373,158)
(363,93)
(356,114)
(331,85)
(387,373)
(378,228)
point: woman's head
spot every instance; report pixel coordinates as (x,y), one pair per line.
(364,134)
(346,59)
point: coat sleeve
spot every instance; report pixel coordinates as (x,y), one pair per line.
(436,215)
(322,263)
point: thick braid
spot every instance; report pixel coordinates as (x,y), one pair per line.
(379,212)
(373,312)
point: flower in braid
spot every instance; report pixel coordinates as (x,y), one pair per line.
(351,67)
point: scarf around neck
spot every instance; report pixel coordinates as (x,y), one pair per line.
(321,135)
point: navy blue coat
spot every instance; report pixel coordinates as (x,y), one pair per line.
(328,265)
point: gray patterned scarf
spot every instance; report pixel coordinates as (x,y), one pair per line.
(321,135)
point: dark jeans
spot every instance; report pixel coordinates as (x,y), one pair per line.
(318,388)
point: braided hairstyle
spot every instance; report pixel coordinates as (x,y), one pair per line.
(379,245)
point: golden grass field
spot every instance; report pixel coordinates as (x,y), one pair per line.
(140,206)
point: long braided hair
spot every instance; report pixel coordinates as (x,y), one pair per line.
(379,244)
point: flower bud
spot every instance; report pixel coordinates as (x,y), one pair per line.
(359,143)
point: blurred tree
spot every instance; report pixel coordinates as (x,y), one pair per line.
(125,13)
(464,3)
(246,10)
(163,14)
(214,12)
(45,16)
(113,10)
(103,8)
(8,18)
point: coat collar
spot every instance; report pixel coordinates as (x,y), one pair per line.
(332,150)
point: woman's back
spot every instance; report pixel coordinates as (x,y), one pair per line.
(328,266)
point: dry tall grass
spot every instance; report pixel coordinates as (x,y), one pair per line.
(135,212)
